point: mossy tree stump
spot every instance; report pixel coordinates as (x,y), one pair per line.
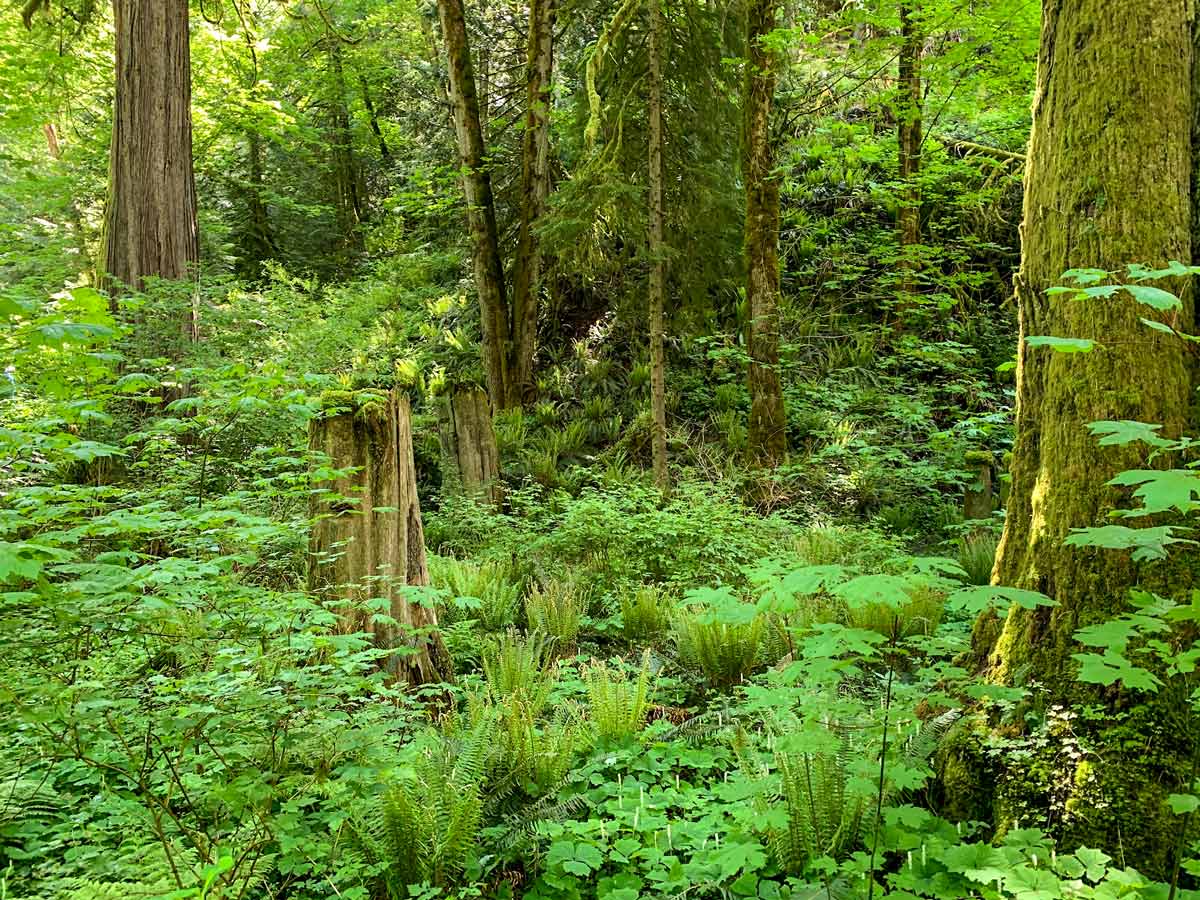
(470,457)
(978,498)
(367,545)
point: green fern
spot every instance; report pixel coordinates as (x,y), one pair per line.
(645,613)
(488,592)
(555,611)
(519,667)
(618,704)
(724,653)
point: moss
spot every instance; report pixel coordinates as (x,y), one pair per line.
(966,783)
(979,457)
(369,404)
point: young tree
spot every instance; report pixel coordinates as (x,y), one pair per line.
(768,421)
(481,210)
(658,266)
(150,219)
(535,188)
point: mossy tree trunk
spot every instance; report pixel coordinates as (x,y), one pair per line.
(909,103)
(535,189)
(658,264)
(367,544)
(470,458)
(150,217)
(1107,185)
(768,422)
(481,208)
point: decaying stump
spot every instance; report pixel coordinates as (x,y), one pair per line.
(367,542)
(978,498)
(470,458)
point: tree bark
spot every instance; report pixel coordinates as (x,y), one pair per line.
(150,218)
(908,131)
(768,422)
(348,188)
(658,264)
(471,459)
(481,211)
(1110,160)
(535,188)
(367,542)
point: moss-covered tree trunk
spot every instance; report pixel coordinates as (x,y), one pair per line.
(367,544)
(1107,184)
(768,422)
(470,458)
(909,104)
(150,217)
(481,208)
(658,264)
(535,189)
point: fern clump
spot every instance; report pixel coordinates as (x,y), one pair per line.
(824,815)
(618,703)
(519,667)
(487,592)
(428,823)
(645,613)
(723,652)
(977,556)
(555,610)
(919,615)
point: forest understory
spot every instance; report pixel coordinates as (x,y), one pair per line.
(598,449)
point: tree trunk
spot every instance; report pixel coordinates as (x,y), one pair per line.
(481,211)
(348,190)
(908,129)
(385,152)
(471,460)
(367,544)
(768,422)
(658,264)
(1109,162)
(150,218)
(258,241)
(535,188)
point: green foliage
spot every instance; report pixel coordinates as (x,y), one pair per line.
(487,592)
(555,610)
(646,613)
(718,638)
(618,700)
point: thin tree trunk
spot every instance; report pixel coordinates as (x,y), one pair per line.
(535,188)
(385,152)
(150,218)
(908,128)
(367,544)
(768,423)
(481,212)
(349,202)
(1110,157)
(658,265)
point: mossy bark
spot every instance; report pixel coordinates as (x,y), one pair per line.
(910,102)
(470,458)
(481,207)
(658,263)
(1107,185)
(768,421)
(367,542)
(535,189)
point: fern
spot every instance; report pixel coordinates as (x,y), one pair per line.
(555,610)
(645,613)
(488,592)
(516,666)
(725,653)
(618,704)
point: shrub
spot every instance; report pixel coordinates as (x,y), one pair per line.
(977,556)
(519,667)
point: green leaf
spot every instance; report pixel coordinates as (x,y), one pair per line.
(1085,276)
(1153,297)
(866,590)
(1110,667)
(977,599)
(1161,490)
(1061,344)
(1146,543)
(1183,803)
(1125,432)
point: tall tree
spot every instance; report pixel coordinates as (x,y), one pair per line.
(150,218)
(1109,156)
(658,265)
(768,421)
(535,188)
(481,209)
(909,103)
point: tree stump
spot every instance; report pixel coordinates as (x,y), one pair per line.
(470,457)
(367,544)
(978,498)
